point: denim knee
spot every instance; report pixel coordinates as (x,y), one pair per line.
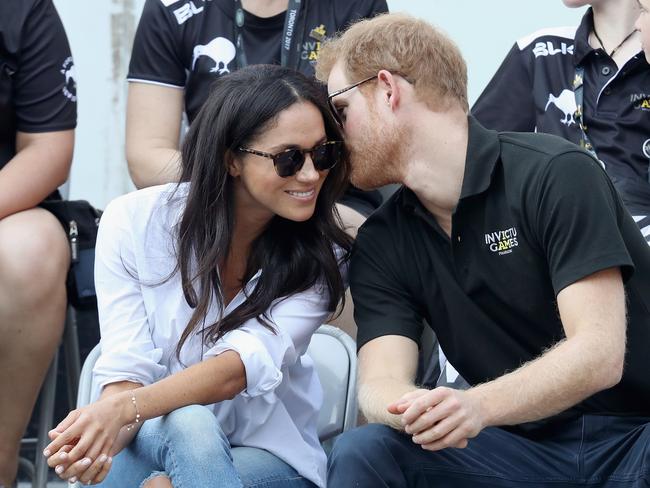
(363,443)
(195,428)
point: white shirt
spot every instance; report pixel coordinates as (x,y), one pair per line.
(141,321)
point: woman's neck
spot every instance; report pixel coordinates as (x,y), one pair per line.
(265,8)
(614,22)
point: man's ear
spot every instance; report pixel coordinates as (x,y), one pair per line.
(389,89)
(233,163)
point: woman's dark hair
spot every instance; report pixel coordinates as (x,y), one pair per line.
(292,256)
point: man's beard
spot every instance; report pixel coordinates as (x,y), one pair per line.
(377,155)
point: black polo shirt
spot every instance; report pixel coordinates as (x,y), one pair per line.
(535,215)
(533,91)
(37,83)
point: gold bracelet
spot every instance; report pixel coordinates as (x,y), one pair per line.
(137,413)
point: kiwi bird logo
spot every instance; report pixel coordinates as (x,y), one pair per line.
(220,50)
(566,102)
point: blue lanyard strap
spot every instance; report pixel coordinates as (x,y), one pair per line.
(288,34)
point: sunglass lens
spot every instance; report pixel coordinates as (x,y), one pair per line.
(288,163)
(326,155)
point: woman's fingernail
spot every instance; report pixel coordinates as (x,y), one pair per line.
(103,458)
(109,460)
(73,479)
(63,456)
(59,469)
(46,453)
(86,461)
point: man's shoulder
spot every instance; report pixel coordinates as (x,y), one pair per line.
(13,16)
(534,148)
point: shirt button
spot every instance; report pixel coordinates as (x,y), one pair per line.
(606,70)
(458,238)
(607,91)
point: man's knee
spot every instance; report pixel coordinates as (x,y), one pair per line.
(34,253)
(367,444)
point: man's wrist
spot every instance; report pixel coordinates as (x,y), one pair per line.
(483,405)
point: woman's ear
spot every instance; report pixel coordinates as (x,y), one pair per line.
(233,163)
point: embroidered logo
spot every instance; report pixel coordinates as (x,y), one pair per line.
(640,101)
(549,49)
(311,49)
(566,102)
(70,86)
(220,50)
(502,241)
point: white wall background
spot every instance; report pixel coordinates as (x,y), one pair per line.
(101,32)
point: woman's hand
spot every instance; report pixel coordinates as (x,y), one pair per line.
(84,442)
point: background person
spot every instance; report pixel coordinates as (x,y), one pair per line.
(208,294)
(37,121)
(534,90)
(642,24)
(519,253)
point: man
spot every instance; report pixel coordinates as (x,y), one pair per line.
(38,113)
(519,253)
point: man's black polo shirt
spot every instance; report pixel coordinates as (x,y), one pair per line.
(536,214)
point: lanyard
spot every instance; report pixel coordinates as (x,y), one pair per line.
(578,90)
(288,34)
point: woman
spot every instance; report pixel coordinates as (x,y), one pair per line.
(209,292)
(588,85)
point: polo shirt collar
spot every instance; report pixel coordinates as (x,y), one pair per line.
(483,150)
(581,47)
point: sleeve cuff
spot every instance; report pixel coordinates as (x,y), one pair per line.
(142,368)
(262,374)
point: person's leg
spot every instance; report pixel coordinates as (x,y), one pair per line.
(378,456)
(34,261)
(616,452)
(187,445)
(258,468)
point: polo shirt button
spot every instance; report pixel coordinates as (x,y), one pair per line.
(606,70)
(608,91)
(458,238)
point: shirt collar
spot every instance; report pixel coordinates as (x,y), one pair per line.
(483,150)
(581,47)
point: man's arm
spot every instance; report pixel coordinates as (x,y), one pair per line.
(41,164)
(153,123)
(589,360)
(387,368)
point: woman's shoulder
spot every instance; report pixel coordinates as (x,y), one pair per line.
(161,203)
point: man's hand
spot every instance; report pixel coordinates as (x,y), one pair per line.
(440,418)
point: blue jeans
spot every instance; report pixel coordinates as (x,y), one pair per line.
(589,451)
(189,447)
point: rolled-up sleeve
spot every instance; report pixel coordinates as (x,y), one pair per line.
(128,352)
(265,353)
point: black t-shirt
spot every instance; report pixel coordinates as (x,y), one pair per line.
(533,91)
(37,85)
(536,214)
(188,43)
